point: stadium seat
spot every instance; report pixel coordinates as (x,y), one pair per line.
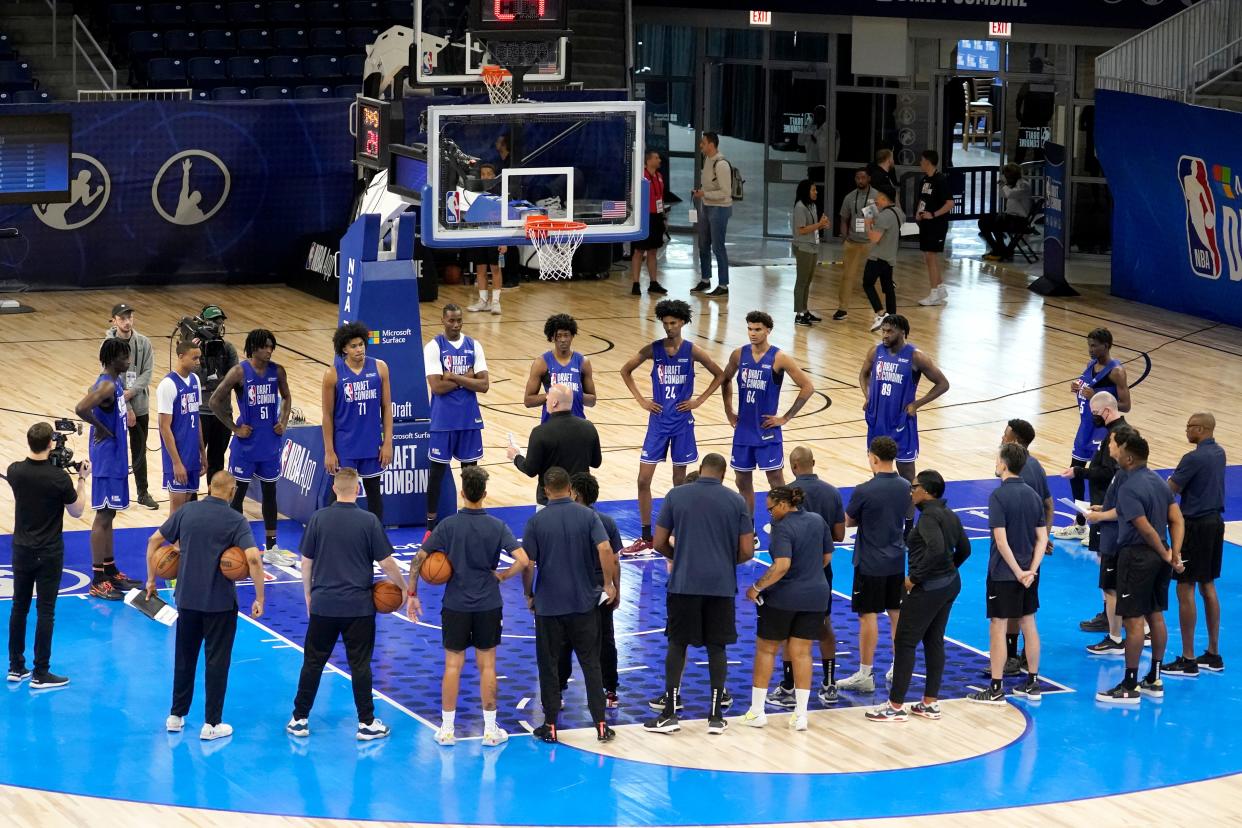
(165,73)
(6,47)
(323,68)
(31,96)
(230,93)
(348,90)
(366,11)
(219,42)
(15,75)
(201,95)
(289,40)
(209,14)
(401,11)
(247,13)
(360,37)
(181,43)
(328,40)
(271,93)
(253,41)
(207,72)
(248,70)
(305,92)
(144,45)
(124,18)
(287,12)
(353,66)
(285,69)
(327,12)
(167,16)
(5,98)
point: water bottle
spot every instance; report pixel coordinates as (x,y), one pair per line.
(500,261)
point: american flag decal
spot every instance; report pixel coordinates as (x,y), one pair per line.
(612,209)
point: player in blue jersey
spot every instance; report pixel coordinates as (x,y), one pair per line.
(263,405)
(760,369)
(104,409)
(1103,373)
(357,412)
(889,380)
(670,423)
(560,366)
(178,399)
(456,371)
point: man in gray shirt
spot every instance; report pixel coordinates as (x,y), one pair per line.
(715,197)
(883,228)
(856,242)
(137,384)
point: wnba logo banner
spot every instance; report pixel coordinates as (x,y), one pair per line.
(1211,229)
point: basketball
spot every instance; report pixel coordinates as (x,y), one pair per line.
(387,596)
(436,569)
(167,561)
(233,564)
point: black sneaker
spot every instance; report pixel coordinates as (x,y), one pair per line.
(106,591)
(840,315)
(701,287)
(656,288)
(1097,624)
(802,319)
(662,724)
(987,696)
(604,733)
(545,733)
(1107,647)
(1013,667)
(123,582)
(657,704)
(636,290)
(813,317)
(44,681)
(1029,690)
(145,499)
(18,674)
(1152,689)
(1212,662)
(716,726)
(1119,695)
(721,290)
(1183,667)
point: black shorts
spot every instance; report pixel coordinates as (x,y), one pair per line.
(1108,574)
(932,235)
(876,593)
(462,630)
(778,624)
(1202,549)
(1142,582)
(1009,599)
(699,620)
(655,233)
(484,256)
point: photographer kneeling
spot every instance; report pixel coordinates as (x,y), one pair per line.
(42,491)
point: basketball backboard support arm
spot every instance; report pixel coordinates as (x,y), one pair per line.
(445,52)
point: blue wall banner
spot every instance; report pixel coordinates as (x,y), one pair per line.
(1175,173)
(1053,283)
(177,191)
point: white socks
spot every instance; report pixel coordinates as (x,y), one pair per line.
(864,669)
(489,719)
(495,296)
(447,717)
(801,697)
(482,295)
(758,695)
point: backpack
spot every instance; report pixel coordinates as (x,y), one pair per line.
(735,179)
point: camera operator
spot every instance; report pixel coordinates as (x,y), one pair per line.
(43,492)
(207,331)
(137,398)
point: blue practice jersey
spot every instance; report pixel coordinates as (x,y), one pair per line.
(1088,437)
(672,382)
(458,410)
(758,395)
(259,408)
(110,458)
(185,424)
(570,375)
(894,383)
(357,413)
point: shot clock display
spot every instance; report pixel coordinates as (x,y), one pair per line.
(371,131)
(527,16)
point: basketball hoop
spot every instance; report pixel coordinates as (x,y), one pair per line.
(499,83)
(555,242)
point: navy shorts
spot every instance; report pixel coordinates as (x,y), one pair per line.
(657,446)
(190,485)
(462,630)
(365,466)
(109,493)
(465,446)
(767,457)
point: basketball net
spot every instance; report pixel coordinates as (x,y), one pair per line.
(499,83)
(555,242)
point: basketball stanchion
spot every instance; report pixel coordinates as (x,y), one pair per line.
(555,241)
(499,83)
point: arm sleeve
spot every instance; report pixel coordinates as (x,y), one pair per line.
(507,541)
(381,547)
(837,509)
(665,519)
(309,546)
(533,462)
(1128,505)
(243,537)
(436,541)
(68,492)
(143,380)
(932,535)
(529,542)
(779,545)
(431,359)
(165,396)
(856,503)
(1184,472)
(480,360)
(597,455)
(996,512)
(171,528)
(962,547)
(614,536)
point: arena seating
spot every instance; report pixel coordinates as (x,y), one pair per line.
(17,81)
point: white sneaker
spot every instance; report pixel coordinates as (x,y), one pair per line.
(447,736)
(932,298)
(877,322)
(888,677)
(1071,532)
(279,557)
(1086,541)
(797,722)
(375,730)
(860,682)
(174,724)
(753,719)
(493,736)
(298,727)
(495,308)
(220,731)
(943,290)
(481,306)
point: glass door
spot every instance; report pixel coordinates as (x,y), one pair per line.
(801,141)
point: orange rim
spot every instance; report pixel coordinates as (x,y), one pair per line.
(542,226)
(493,75)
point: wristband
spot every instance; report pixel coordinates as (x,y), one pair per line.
(412,593)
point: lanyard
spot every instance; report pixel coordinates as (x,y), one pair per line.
(856,198)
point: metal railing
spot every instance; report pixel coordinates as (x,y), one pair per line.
(91,95)
(51,4)
(1173,58)
(79,49)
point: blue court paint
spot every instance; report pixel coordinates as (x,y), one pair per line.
(103,734)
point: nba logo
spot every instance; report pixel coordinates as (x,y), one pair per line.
(429,63)
(252,395)
(448,364)
(452,208)
(349,392)
(660,374)
(1201,230)
(284,455)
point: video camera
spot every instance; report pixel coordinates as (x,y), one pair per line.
(61,456)
(206,331)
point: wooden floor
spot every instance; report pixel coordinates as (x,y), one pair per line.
(1007,352)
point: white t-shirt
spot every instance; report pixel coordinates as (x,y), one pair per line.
(166,394)
(431,356)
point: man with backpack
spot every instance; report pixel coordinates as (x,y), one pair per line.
(715,196)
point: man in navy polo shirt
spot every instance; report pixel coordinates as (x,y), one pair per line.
(1019,541)
(1147,517)
(878,508)
(1033,475)
(340,547)
(1200,480)
(585,489)
(206,600)
(471,611)
(706,531)
(564,541)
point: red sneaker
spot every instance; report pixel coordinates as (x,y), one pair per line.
(638,547)
(105,590)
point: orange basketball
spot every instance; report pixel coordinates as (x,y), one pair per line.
(233,564)
(167,561)
(387,596)
(436,569)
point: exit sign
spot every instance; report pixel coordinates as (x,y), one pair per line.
(760,18)
(996,29)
